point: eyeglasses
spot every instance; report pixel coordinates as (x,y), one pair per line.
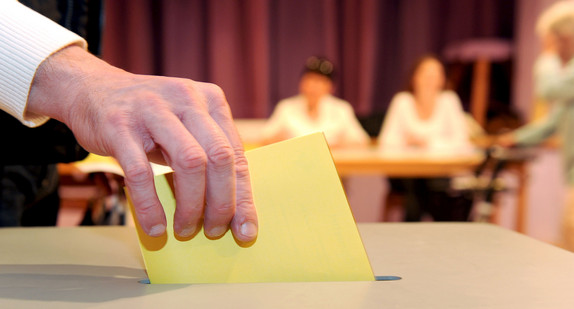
(320,65)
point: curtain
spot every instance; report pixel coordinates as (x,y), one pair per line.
(255,49)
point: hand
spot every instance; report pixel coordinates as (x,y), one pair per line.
(137,118)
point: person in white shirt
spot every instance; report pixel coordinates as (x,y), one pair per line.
(316,109)
(426,119)
(45,72)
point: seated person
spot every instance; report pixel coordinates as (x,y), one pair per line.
(316,109)
(426,118)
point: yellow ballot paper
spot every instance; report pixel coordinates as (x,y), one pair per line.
(306,229)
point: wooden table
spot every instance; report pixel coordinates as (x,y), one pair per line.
(369,161)
(442,265)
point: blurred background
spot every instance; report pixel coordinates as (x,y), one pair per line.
(254,49)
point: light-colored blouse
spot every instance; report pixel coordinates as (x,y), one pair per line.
(336,119)
(445,131)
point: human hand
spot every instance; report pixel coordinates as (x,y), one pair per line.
(138,119)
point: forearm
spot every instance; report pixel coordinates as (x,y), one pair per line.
(536,133)
(532,135)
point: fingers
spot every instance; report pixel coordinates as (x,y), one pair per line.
(244,224)
(220,172)
(203,163)
(192,128)
(189,162)
(139,181)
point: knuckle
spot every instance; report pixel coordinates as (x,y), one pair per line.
(216,98)
(223,209)
(244,197)
(214,91)
(241,165)
(153,103)
(152,106)
(116,118)
(245,202)
(209,96)
(189,212)
(145,208)
(180,86)
(220,155)
(192,160)
(137,175)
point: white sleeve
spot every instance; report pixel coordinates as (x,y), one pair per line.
(392,135)
(353,131)
(455,135)
(26,39)
(275,125)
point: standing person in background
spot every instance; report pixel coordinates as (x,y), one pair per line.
(316,109)
(554,82)
(426,118)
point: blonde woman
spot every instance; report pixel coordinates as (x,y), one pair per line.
(554,82)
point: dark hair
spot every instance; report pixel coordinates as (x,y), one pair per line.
(409,86)
(319,65)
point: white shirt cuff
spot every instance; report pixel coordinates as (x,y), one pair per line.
(26,40)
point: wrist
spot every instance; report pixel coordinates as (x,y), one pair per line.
(62,80)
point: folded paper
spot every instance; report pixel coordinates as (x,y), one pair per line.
(306,229)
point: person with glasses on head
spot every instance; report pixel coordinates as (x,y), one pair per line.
(316,109)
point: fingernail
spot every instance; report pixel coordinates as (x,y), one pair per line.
(157,230)
(249,229)
(217,231)
(188,231)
